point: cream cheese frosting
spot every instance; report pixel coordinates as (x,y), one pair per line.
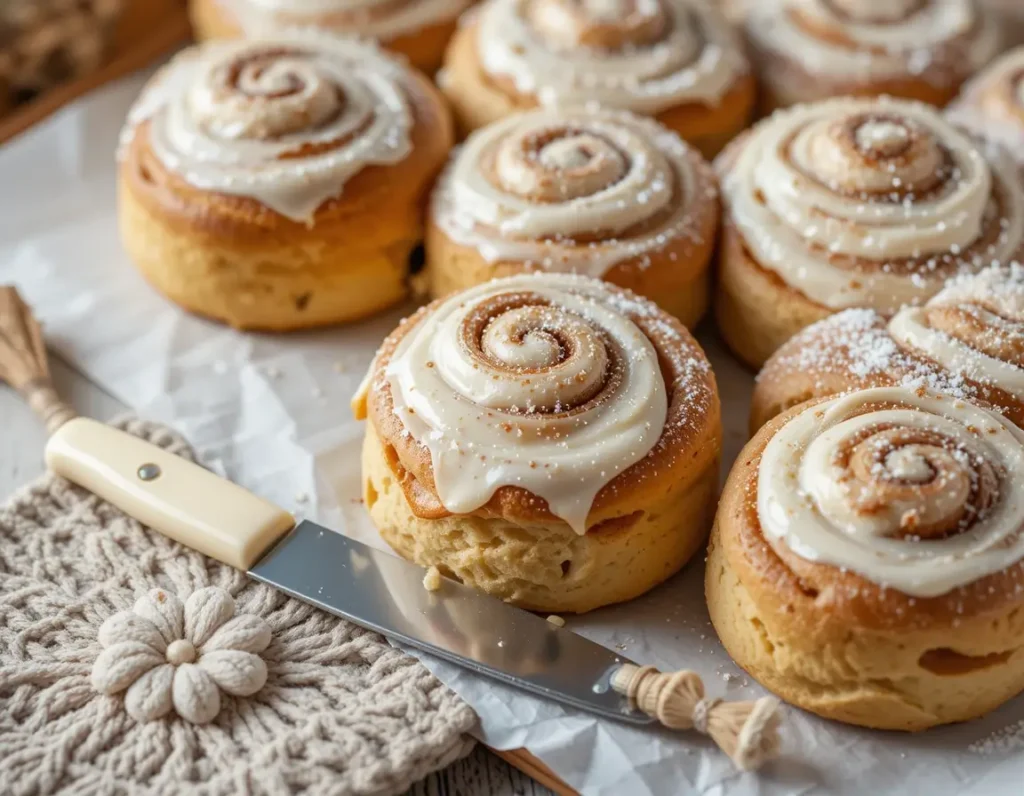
(638,55)
(871,202)
(527,187)
(906,488)
(382,19)
(867,40)
(286,121)
(535,381)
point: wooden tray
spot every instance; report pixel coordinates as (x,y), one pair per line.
(149,30)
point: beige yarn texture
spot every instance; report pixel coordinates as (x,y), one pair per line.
(341,711)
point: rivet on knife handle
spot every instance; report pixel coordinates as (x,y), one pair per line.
(169,494)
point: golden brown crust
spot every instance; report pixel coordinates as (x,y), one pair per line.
(691,437)
(837,644)
(755,309)
(478,99)
(547,566)
(424,48)
(232,258)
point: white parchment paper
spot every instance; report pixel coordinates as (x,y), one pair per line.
(272,412)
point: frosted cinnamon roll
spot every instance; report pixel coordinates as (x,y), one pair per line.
(854,203)
(603,193)
(967,341)
(810,50)
(418,29)
(548,438)
(991,105)
(867,562)
(280,183)
(676,60)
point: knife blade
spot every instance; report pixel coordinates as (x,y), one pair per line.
(369,587)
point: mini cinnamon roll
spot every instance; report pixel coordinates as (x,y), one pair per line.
(854,203)
(417,29)
(280,183)
(991,105)
(808,50)
(967,341)
(548,438)
(867,561)
(677,60)
(604,193)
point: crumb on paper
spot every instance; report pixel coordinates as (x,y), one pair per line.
(432,580)
(301,497)
(556,620)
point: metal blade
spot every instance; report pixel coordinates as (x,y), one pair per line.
(385,593)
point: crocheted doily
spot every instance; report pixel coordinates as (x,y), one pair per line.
(341,710)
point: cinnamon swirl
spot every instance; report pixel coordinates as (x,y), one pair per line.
(810,50)
(548,438)
(280,183)
(991,105)
(418,29)
(967,341)
(854,203)
(867,562)
(676,60)
(604,193)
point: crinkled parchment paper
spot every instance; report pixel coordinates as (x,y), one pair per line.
(272,413)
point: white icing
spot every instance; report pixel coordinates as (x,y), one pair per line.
(381,19)
(999,288)
(521,410)
(807,501)
(680,51)
(991,105)
(880,39)
(235,117)
(783,194)
(512,194)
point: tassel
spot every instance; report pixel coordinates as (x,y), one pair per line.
(746,731)
(23,361)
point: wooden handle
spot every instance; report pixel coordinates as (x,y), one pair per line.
(23,361)
(175,497)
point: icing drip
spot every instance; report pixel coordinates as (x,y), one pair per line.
(908,489)
(285,121)
(639,55)
(870,202)
(535,382)
(858,40)
(992,104)
(974,328)
(382,19)
(571,191)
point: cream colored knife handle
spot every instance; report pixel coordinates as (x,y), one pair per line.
(180,499)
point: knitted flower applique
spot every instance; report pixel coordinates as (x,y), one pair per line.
(168,655)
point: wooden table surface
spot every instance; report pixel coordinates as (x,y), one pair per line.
(21,460)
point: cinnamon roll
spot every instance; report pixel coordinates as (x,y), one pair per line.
(418,29)
(808,50)
(677,60)
(991,105)
(867,561)
(280,183)
(854,203)
(967,341)
(548,438)
(604,193)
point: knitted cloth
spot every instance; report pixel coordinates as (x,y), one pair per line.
(341,712)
